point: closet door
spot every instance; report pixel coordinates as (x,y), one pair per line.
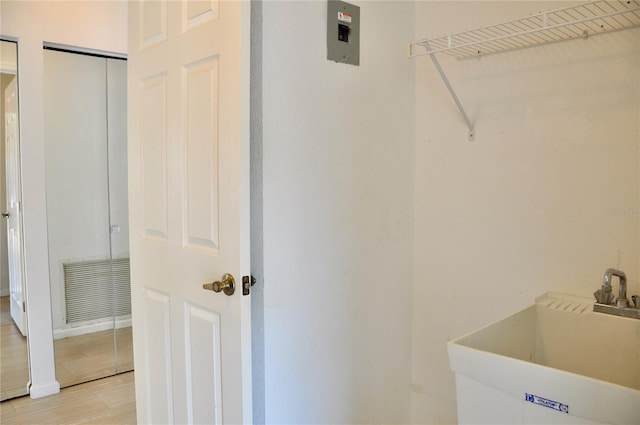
(119,209)
(85,123)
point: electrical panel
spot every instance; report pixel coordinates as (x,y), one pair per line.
(343,32)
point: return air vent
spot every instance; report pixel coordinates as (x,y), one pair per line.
(97,289)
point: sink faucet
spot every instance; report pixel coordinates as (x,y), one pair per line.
(622,307)
(622,300)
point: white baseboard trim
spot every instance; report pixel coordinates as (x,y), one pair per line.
(43,390)
(90,328)
(5,292)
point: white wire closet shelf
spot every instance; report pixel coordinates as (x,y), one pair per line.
(582,20)
(579,21)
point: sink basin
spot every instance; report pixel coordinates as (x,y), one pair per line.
(556,361)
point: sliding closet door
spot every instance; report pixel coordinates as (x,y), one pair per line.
(85,158)
(119,210)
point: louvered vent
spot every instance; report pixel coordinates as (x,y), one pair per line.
(97,289)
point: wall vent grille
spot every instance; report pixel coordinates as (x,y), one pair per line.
(97,289)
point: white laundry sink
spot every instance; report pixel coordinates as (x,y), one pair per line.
(556,361)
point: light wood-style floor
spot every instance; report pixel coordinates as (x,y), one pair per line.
(108,401)
(104,401)
(86,357)
(14,367)
(78,359)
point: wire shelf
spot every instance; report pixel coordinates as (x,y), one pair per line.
(583,20)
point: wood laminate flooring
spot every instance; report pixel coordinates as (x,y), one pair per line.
(78,359)
(108,401)
(14,367)
(86,357)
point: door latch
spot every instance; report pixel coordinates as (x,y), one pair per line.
(247,283)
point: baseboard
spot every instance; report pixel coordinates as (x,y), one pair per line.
(43,390)
(90,328)
(5,292)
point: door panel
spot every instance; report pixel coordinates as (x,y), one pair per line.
(197,12)
(189,202)
(153,156)
(152,25)
(201,146)
(204,398)
(157,350)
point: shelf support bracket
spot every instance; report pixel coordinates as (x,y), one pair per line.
(436,63)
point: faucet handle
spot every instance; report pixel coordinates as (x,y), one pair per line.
(636,300)
(603,297)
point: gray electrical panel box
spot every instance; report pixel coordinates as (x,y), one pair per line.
(343,32)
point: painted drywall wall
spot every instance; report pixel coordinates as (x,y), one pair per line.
(545,198)
(337,176)
(100,25)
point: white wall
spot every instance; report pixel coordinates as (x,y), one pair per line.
(497,221)
(536,202)
(97,25)
(337,154)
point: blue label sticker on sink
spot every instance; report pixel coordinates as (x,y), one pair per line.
(555,405)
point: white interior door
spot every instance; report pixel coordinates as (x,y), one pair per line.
(14,223)
(188,197)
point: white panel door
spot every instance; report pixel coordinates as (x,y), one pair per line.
(189,209)
(13,207)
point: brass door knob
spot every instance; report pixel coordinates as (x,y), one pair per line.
(226,285)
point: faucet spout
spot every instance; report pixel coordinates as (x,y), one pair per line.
(622,300)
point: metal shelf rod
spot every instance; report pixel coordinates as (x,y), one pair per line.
(543,28)
(453,94)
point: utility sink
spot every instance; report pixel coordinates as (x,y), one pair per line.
(556,361)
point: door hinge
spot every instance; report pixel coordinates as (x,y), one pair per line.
(24,306)
(247,283)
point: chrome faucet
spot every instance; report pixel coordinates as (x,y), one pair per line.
(621,307)
(622,300)
(605,294)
